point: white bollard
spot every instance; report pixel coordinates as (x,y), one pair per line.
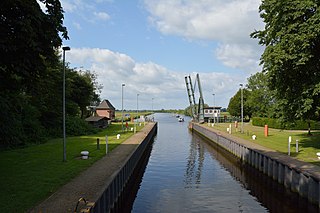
(84,155)
(289,141)
(230,130)
(106,144)
(118,136)
(297,145)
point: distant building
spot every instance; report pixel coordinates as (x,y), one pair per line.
(103,114)
(105,109)
(98,121)
(212,113)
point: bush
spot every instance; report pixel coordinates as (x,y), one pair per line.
(278,124)
(272,123)
(76,126)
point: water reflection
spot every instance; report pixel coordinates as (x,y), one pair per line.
(182,176)
(187,173)
(271,194)
(194,164)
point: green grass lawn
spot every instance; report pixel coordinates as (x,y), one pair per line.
(278,140)
(31,174)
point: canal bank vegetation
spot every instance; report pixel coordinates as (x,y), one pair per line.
(31,77)
(278,140)
(31,174)
(288,88)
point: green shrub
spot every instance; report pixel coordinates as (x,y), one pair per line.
(76,126)
(279,124)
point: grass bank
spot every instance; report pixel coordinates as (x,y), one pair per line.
(31,174)
(278,140)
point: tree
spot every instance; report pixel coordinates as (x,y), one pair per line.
(28,41)
(261,99)
(29,38)
(234,107)
(291,58)
(83,89)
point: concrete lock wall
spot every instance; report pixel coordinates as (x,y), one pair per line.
(300,177)
(114,189)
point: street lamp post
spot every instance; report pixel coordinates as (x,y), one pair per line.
(152,104)
(137,105)
(135,125)
(122,85)
(64,49)
(152,109)
(241,85)
(213,109)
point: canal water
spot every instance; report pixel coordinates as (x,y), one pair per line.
(187,173)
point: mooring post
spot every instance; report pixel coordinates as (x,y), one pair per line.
(297,145)
(106,144)
(98,143)
(289,141)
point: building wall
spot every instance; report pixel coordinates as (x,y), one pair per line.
(106,113)
(209,113)
(102,112)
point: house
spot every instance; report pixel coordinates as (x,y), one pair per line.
(98,121)
(103,114)
(212,114)
(105,109)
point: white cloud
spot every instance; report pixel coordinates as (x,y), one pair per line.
(205,19)
(77,25)
(150,80)
(86,10)
(70,6)
(101,16)
(239,56)
(228,22)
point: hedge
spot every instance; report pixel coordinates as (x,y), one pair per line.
(278,124)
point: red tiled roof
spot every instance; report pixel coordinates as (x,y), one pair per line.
(96,118)
(105,104)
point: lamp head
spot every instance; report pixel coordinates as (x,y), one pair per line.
(66,48)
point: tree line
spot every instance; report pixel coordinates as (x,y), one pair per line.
(288,87)
(31,74)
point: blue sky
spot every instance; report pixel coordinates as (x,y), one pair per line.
(150,45)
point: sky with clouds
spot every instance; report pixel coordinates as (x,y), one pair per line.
(151,45)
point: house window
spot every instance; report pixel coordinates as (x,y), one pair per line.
(206,111)
(210,111)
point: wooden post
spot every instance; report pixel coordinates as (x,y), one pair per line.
(98,143)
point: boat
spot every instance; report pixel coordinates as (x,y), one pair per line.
(181,119)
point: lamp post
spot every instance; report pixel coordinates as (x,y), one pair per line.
(152,109)
(135,127)
(213,109)
(241,85)
(152,104)
(122,85)
(64,49)
(137,104)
